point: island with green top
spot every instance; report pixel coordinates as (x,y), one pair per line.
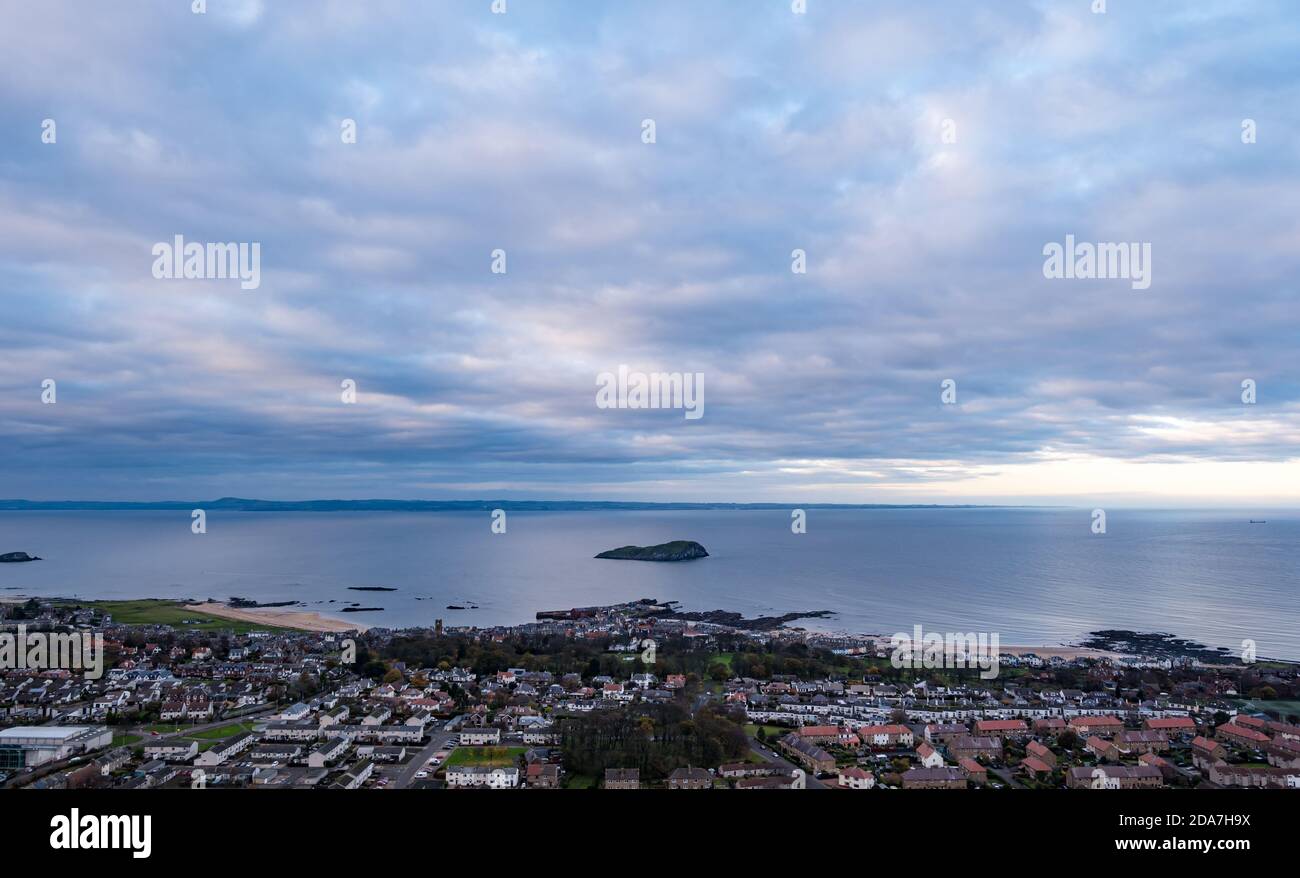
(677,550)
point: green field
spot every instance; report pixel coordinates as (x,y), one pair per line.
(772,731)
(152,611)
(579,782)
(503,757)
(165,730)
(126,740)
(221,732)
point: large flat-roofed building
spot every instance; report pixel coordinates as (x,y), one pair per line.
(29,746)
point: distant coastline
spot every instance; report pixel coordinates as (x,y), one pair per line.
(241,504)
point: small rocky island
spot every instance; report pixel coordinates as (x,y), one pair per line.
(369,588)
(677,550)
(15,557)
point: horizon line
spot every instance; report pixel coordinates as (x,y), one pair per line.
(256,504)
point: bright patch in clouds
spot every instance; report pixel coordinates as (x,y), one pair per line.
(825,132)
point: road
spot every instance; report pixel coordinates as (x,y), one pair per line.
(772,756)
(1005,775)
(404,775)
(149,737)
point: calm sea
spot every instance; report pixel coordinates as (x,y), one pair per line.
(1033,576)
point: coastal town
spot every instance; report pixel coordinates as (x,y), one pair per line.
(631,696)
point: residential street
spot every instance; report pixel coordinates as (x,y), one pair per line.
(404,775)
(772,756)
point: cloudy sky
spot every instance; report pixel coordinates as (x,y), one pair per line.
(773,131)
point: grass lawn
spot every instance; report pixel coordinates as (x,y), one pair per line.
(579,782)
(163,612)
(165,730)
(221,732)
(503,757)
(772,731)
(126,740)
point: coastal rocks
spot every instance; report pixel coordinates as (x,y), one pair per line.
(729,619)
(677,550)
(16,557)
(1157,644)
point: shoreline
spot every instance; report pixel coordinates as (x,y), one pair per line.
(312,621)
(1069,653)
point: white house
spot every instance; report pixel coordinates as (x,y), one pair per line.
(483,776)
(172,751)
(334,717)
(480,736)
(356,775)
(328,751)
(377,717)
(224,750)
(930,757)
(295,712)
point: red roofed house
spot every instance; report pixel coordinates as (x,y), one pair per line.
(1041,753)
(1000,728)
(1097,725)
(856,779)
(542,775)
(1049,725)
(1172,725)
(1251,722)
(1103,749)
(1032,765)
(886,736)
(1240,735)
(930,757)
(974,772)
(1206,752)
(1269,727)
(820,734)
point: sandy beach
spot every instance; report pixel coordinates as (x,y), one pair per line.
(302,620)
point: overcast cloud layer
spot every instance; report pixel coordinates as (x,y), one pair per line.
(775,131)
